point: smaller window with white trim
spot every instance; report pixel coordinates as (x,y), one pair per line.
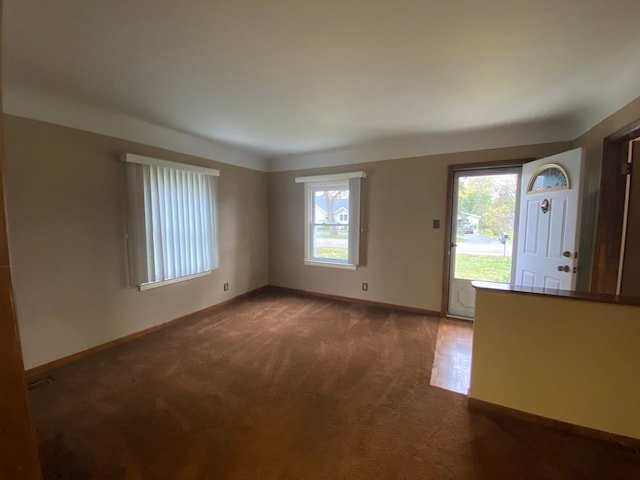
(332,219)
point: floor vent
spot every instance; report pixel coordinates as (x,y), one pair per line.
(41,382)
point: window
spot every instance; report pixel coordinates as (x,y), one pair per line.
(171,221)
(332,219)
(549,177)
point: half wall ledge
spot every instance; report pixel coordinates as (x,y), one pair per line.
(566,356)
(585,296)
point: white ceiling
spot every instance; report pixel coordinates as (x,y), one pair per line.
(312,82)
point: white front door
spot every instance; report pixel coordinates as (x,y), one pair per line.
(549,221)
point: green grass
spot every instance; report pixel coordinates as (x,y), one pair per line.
(339,236)
(470,267)
(483,267)
(332,252)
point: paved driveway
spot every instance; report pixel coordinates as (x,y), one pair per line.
(475,244)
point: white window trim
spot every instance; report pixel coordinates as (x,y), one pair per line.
(331,264)
(133,158)
(331,178)
(337,180)
(149,286)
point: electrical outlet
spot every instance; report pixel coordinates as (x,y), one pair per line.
(365,286)
(226,287)
(436,224)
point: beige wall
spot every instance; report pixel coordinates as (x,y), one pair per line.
(591,141)
(569,360)
(68,252)
(402,255)
(65,218)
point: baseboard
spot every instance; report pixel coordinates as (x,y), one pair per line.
(499,410)
(360,301)
(34,372)
(40,369)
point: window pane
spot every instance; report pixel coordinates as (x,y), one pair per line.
(330,205)
(176,231)
(170,255)
(551,177)
(331,242)
(486,210)
(332,218)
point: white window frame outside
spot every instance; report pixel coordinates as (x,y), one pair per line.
(351,181)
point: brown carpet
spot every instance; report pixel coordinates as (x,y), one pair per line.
(288,387)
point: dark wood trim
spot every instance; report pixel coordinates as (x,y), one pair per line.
(608,236)
(626,133)
(368,303)
(19,458)
(492,409)
(516,162)
(630,275)
(444,305)
(35,372)
(449,208)
(554,292)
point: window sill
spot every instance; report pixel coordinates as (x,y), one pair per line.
(344,266)
(149,286)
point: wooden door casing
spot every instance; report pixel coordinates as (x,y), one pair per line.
(630,285)
(18,452)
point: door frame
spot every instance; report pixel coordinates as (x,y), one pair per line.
(452,169)
(608,234)
(19,456)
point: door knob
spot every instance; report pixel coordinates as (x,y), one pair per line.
(563,268)
(566,253)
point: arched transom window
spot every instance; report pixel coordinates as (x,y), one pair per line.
(549,177)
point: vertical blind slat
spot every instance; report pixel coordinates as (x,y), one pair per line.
(175,223)
(186,241)
(192,237)
(205,221)
(163,220)
(197,225)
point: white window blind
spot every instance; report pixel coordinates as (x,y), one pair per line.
(171,221)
